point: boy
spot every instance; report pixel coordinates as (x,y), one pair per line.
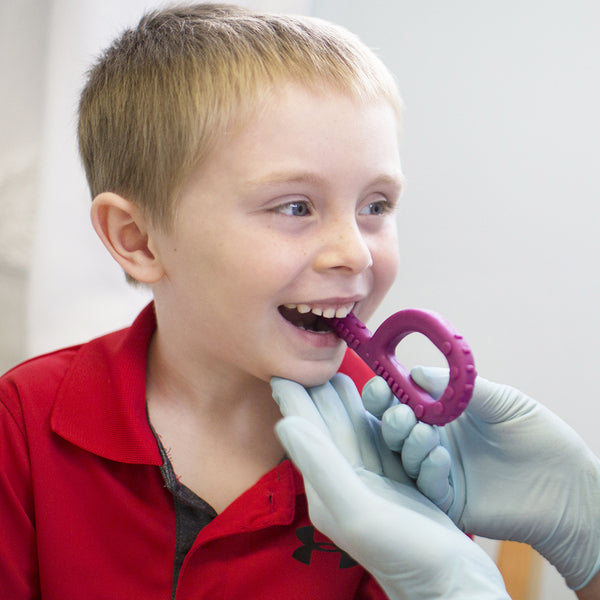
(246,168)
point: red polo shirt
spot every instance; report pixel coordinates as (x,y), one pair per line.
(84,511)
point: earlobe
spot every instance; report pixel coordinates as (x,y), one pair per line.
(123,230)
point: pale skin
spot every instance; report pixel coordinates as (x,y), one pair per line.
(297,207)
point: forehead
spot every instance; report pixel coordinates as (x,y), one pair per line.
(308,136)
(264,94)
(296,112)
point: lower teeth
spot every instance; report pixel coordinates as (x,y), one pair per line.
(305,321)
(322,331)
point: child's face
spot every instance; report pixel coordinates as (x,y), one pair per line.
(294,210)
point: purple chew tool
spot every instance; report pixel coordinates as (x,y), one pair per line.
(378,351)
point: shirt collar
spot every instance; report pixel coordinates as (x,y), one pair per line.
(101,403)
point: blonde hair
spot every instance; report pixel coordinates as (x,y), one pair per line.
(157,100)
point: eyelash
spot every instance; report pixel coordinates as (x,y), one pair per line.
(386,206)
(288,208)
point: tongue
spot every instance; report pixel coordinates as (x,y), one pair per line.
(308,321)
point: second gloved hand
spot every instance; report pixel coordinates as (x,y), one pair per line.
(518,472)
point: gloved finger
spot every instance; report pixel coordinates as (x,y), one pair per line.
(433,380)
(294,400)
(391,462)
(334,415)
(422,440)
(457,477)
(434,478)
(396,425)
(361,422)
(377,396)
(322,466)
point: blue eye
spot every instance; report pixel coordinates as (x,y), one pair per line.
(296,208)
(381,207)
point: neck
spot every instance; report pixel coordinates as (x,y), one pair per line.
(174,374)
(218,428)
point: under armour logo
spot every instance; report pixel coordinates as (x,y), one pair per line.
(304,553)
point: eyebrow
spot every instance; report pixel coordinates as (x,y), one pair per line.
(285,177)
(281,177)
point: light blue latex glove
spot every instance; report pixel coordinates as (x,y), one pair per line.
(356,499)
(518,472)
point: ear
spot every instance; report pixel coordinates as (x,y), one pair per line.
(124,231)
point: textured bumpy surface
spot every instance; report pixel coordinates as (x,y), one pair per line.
(378,351)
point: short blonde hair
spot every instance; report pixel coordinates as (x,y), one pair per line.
(157,100)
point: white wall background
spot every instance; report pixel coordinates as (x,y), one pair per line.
(499,223)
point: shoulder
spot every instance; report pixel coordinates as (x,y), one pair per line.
(35,381)
(74,370)
(32,386)
(91,395)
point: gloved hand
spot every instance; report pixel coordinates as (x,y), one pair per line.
(518,472)
(359,496)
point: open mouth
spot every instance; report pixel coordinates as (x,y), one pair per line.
(312,319)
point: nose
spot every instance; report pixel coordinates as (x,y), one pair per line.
(343,247)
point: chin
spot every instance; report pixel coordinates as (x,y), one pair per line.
(311,375)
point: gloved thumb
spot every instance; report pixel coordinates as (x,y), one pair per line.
(433,380)
(491,402)
(322,465)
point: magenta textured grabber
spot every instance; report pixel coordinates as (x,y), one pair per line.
(378,350)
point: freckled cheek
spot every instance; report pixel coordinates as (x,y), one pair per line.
(386,264)
(383,281)
(384,271)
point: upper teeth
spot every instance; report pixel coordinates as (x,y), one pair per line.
(328,313)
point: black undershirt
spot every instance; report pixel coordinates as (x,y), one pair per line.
(191,513)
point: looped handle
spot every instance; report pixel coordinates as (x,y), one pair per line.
(378,350)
